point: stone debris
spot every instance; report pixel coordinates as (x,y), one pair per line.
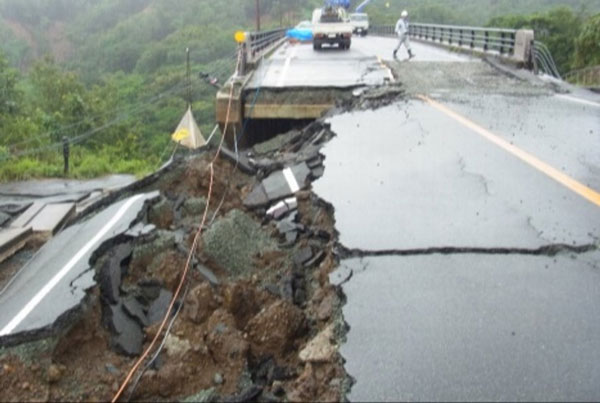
(208,275)
(177,347)
(235,240)
(250,306)
(321,348)
(303,256)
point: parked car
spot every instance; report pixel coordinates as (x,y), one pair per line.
(360,23)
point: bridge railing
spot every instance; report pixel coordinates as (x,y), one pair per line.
(257,44)
(510,43)
(587,77)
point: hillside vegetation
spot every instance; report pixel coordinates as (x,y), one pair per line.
(109,75)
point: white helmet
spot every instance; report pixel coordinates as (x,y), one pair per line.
(404,14)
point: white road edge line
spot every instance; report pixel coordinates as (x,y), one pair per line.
(35,301)
(286,67)
(578,100)
(291,180)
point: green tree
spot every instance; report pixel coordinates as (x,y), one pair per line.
(9,95)
(557,28)
(587,44)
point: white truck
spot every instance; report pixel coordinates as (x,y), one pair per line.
(360,23)
(331,26)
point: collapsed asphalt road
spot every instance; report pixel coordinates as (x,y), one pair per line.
(258,318)
(55,281)
(470,271)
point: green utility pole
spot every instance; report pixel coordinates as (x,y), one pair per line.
(189,77)
(257,15)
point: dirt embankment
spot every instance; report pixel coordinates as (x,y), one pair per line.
(257,319)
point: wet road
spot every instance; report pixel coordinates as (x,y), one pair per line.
(54,282)
(300,66)
(475,204)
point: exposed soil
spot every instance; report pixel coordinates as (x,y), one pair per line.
(238,333)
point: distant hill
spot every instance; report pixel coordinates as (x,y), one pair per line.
(98,36)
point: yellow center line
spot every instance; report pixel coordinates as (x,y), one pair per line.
(565,180)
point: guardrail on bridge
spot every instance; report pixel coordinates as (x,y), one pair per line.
(256,45)
(507,43)
(587,77)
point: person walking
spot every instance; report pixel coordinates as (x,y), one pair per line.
(402,32)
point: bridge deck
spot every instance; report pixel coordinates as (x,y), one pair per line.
(298,65)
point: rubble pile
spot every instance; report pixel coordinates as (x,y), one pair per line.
(258,318)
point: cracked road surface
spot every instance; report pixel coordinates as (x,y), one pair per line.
(474,328)
(54,282)
(478,230)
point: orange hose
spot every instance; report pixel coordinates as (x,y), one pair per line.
(139,362)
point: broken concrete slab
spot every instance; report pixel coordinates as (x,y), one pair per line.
(240,159)
(52,217)
(158,308)
(26,311)
(135,310)
(12,240)
(109,279)
(282,208)
(13,209)
(141,229)
(25,218)
(279,185)
(127,337)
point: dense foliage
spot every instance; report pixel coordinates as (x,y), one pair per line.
(110,74)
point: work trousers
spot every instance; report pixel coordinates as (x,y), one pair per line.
(403,39)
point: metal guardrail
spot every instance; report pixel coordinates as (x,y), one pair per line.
(588,77)
(257,44)
(493,40)
(544,61)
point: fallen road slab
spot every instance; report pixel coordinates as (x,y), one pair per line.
(11,240)
(45,291)
(51,218)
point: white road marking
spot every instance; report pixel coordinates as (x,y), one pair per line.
(291,180)
(578,100)
(286,67)
(35,301)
